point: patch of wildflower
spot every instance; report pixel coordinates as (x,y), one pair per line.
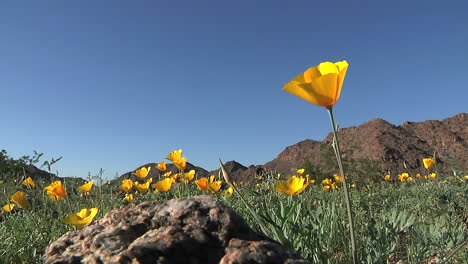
(8,207)
(56,191)
(83,217)
(129,197)
(19,198)
(127,185)
(163,185)
(292,186)
(142,172)
(177,159)
(29,183)
(162,166)
(85,189)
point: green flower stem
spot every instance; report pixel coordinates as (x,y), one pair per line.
(336,147)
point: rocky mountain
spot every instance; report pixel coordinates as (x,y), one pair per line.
(376,145)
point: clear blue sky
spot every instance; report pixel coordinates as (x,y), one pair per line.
(117,84)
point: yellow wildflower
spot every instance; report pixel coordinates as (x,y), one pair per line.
(202,183)
(403,177)
(327,181)
(177,159)
(86,188)
(162,166)
(142,172)
(83,217)
(228,192)
(388,177)
(8,207)
(29,183)
(300,171)
(293,186)
(129,197)
(429,163)
(126,185)
(167,174)
(163,185)
(215,186)
(188,177)
(338,178)
(320,85)
(142,187)
(56,191)
(20,199)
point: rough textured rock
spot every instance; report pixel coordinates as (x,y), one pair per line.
(191,230)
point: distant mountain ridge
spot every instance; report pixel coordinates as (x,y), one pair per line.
(395,148)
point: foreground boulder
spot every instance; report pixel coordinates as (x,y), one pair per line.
(190,230)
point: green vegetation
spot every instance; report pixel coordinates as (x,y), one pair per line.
(412,222)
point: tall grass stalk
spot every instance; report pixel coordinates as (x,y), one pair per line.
(336,148)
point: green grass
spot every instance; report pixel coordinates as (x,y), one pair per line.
(410,221)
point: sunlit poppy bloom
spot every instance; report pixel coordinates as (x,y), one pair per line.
(8,207)
(403,177)
(56,191)
(163,185)
(175,155)
(419,175)
(181,164)
(188,177)
(338,178)
(353,185)
(429,163)
(126,185)
(320,85)
(228,192)
(162,166)
(167,174)
(20,199)
(83,217)
(29,183)
(334,186)
(293,186)
(176,176)
(432,176)
(388,177)
(202,183)
(327,181)
(142,187)
(410,179)
(215,186)
(86,188)
(142,172)
(327,187)
(300,171)
(177,159)
(129,197)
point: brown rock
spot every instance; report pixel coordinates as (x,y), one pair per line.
(190,230)
(397,148)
